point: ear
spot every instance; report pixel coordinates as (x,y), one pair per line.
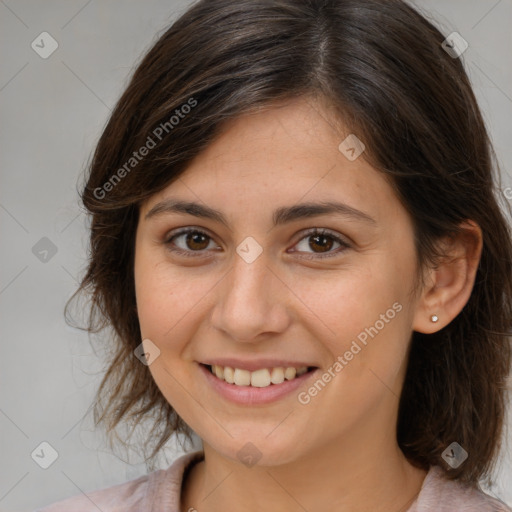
(449,284)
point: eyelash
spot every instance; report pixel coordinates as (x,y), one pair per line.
(313,232)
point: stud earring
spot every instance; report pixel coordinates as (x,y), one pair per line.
(434,318)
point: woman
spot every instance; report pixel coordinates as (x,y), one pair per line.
(296,239)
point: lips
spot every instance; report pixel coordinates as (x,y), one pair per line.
(252,395)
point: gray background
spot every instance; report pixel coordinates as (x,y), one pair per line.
(53,111)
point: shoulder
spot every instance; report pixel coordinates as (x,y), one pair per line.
(442,495)
(132,496)
(126,496)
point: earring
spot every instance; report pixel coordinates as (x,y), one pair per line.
(434,318)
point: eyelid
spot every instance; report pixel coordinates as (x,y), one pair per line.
(183,231)
(343,240)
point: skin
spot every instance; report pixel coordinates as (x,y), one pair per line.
(339,451)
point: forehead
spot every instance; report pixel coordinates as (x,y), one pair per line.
(285,154)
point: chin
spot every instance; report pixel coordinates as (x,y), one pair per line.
(259,450)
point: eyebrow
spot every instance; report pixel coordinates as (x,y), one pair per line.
(282,215)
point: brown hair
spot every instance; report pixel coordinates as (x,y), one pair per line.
(381,67)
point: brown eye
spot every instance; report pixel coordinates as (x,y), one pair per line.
(319,244)
(189,241)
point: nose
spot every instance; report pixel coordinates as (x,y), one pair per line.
(251,301)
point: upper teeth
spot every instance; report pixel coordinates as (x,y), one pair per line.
(259,378)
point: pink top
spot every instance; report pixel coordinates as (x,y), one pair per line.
(160,492)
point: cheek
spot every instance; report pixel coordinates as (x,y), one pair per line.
(357,299)
(172,302)
(369,317)
(164,300)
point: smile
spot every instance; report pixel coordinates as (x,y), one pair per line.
(259,378)
(257,387)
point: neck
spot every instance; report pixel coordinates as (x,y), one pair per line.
(335,477)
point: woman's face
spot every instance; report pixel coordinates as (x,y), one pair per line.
(260,290)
